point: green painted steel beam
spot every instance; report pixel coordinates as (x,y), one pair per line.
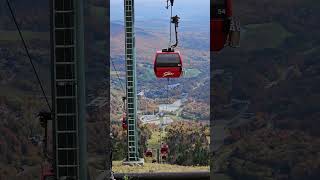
(83,165)
(131,81)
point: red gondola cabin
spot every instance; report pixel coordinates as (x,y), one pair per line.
(149,153)
(124,122)
(46,172)
(164,149)
(168,64)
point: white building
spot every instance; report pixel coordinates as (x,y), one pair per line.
(170,107)
(167,120)
(150,119)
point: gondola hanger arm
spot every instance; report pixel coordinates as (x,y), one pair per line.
(175,21)
(171,3)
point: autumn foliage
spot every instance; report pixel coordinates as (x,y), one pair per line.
(188,143)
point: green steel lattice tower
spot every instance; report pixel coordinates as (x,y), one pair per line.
(131,82)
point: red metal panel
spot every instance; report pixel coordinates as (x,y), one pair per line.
(221,10)
(229,8)
(217,35)
(168,72)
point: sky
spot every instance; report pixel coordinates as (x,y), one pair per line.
(188,10)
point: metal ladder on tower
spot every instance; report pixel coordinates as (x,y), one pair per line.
(133,154)
(67,89)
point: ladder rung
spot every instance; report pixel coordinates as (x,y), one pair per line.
(65,97)
(60,165)
(63,28)
(64,11)
(67,148)
(70,131)
(65,63)
(66,114)
(65,46)
(68,80)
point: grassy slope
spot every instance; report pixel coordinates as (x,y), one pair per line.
(153,167)
(191,72)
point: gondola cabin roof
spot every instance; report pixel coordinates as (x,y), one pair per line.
(168,64)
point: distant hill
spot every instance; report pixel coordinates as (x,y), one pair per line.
(117,29)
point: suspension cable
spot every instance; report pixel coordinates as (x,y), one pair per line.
(28,54)
(167,94)
(170,27)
